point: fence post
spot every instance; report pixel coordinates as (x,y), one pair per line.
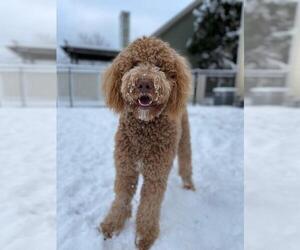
(195,88)
(22,88)
(70,87)
(99,87)
(1,91)
(201,87)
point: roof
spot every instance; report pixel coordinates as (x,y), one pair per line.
(177,18)
(90,53)
(34,53)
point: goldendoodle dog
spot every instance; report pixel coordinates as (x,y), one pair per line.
(148,83)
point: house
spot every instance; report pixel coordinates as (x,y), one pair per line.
(265,86)
(178,29)
(176,32)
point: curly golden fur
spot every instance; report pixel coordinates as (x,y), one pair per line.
(151,131)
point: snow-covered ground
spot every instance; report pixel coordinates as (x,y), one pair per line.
(272,178)
(209,219)
(27,179)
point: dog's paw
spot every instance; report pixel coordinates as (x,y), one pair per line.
(189,185)
(114,222)
(143,243)
(107,229)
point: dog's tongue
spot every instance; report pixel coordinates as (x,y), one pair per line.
(145,101)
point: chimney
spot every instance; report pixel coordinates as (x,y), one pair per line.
(124,28)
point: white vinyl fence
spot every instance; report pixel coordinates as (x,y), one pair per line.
(205,80)
(28,85)
(80,85)
(267,87)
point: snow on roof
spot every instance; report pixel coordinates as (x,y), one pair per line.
(34,52)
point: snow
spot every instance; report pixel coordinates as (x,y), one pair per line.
(269,89)
(210,218)
(224,89)
(28,189)
(272,178)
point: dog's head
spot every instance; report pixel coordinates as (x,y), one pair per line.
(147,78)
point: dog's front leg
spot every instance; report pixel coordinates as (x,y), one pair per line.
(125,187)
(147,221)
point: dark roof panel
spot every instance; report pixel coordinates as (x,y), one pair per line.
(91,54)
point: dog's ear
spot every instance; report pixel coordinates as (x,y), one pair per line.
(111,86)
(181,87)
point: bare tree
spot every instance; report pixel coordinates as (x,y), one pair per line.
(93,39)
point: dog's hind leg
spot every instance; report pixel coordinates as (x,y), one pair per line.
(185,154)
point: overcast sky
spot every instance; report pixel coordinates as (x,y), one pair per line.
(34,21)
(102,17)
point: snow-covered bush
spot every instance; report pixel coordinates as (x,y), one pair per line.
(268,32)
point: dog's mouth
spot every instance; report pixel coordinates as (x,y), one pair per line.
(145,101)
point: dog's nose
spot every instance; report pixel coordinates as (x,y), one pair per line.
(145,85)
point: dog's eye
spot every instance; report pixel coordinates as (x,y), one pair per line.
(157,66)
(172,75)
(134,63)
